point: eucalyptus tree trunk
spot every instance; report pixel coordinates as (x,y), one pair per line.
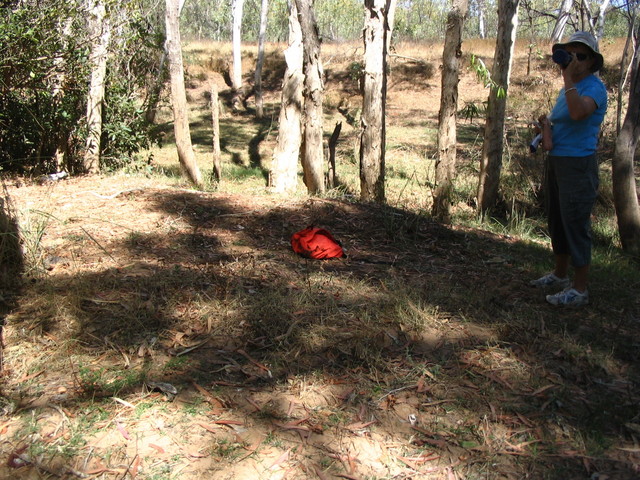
(57,94)
(181,130)
(153,95)
(625,196)
(236,78)
(215,126)
(626,64)
(260,62)
(561,21)
(100,33)
(284,176)
(492,147)
(482,32)
(372,123)
(602,13)
(313,92)
(447,137)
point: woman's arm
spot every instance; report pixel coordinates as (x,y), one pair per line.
(580,107)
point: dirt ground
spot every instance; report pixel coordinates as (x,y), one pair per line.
(167,281)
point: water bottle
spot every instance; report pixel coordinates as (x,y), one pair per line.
(533,146)
(561,57)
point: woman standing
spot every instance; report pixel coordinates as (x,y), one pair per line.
(570,135)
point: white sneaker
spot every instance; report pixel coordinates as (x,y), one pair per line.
(550,280)
(569,297)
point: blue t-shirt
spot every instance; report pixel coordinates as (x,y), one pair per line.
(578,138)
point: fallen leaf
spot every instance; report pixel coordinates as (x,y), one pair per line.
(208,428)
(133,469)
(157,448)
(252,449)
(228,422)
(29,377)
(360,425)
(215,403)
(292,426)
(542,390)
(421,386)
(320,473)
(282,458)
(123,431)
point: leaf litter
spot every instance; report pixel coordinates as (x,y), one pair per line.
(200,345)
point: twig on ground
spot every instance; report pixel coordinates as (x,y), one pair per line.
(391,392)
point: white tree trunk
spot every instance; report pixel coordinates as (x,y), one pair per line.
(482,31)
(561,22)
(313,92)
(260,62)
(284,176)
(447,135)
(236,79)
(602,14)
(100,33)
(372,123)
(181,130)
(492,147)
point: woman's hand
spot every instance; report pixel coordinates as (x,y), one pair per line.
(545,128)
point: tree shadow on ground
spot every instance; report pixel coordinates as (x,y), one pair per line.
(419,319)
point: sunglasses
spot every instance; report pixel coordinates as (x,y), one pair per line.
(582,56)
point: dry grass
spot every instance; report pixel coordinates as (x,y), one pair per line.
(421,355)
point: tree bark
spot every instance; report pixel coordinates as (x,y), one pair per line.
(285,156)
(602,13)
(153,96)
(372,123)
(332,174)
(100,32)
(447,138)
(236,78)
(57,94)
(260,62)
(626,63)
(184,147)
(561,21)
(313,93)
(625,196)
(492,147)
(215,123)
(482,32)
(236,74)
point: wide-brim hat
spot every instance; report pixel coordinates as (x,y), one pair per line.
(588,40)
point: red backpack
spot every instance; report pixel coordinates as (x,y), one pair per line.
(316,243)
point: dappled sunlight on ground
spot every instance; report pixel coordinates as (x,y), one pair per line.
(423,354)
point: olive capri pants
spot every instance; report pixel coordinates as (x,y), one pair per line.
(572,187)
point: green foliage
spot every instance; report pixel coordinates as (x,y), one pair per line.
(44,73)
(104,381)
(484,76)
(424,19)
(472,110)
(41,90)
(339,20)
(125,131)
(355,70)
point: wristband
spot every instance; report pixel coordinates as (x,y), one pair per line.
(569,89)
